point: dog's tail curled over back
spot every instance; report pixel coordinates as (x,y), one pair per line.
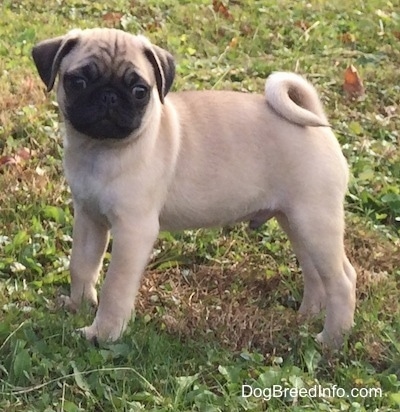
(295,99)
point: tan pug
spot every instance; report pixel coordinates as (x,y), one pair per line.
(139,160)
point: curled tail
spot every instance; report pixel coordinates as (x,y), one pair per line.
(295,99)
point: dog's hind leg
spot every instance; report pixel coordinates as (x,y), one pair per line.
(314,296)
(317,235)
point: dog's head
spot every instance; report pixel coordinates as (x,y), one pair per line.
(108,79)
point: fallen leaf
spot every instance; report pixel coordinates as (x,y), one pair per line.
(29,84)
(302,24)
(7,160)
(390,111)
(112,18)
(234,42)
(153,26)
(246,29)
(353,85)
(21,155)
(24,153)
(220,8)
(347,38)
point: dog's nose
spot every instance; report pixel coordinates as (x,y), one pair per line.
(109,98)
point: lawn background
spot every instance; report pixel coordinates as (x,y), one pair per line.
(217,308)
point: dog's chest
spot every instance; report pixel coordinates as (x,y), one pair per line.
(90,183)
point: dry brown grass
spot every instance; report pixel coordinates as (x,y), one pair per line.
(246,309)
(19,88)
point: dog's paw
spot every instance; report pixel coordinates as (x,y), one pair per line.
(90,296)
(313,303)
(329,341)
(67,303)
(309,310)
(72,305)
(96,333)
(89,335)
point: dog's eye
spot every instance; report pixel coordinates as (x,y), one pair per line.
(139,92)
(77,82)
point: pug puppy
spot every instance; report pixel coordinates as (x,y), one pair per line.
(139,160)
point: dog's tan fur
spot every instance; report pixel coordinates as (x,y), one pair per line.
(206,159)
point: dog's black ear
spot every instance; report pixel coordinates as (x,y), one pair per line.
(48,55)
(164,68)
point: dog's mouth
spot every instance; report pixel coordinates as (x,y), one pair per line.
(110,124)
(105,128)
(108,128)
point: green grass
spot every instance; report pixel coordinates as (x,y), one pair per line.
(217,307)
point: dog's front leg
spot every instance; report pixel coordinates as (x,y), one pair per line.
(90,239)
(132,245)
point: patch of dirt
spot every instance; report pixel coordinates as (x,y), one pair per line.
(244,308)
(373,256)
(235,309)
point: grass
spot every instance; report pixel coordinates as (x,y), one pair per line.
(217,307)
